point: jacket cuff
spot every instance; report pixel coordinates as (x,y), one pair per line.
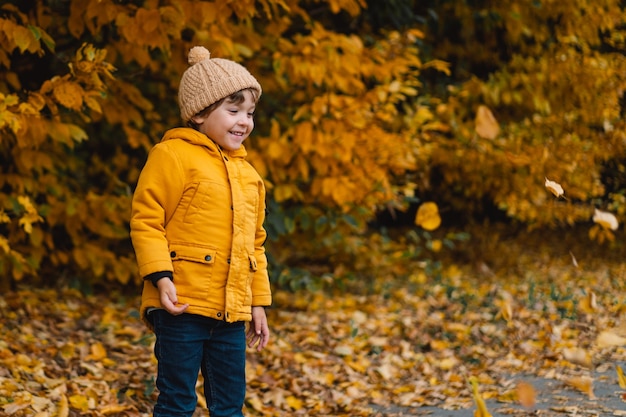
(156,276)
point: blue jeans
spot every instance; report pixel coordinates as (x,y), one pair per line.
(189,343)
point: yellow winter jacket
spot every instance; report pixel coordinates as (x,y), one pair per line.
(198,212)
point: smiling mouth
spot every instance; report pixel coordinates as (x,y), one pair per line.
(237,133)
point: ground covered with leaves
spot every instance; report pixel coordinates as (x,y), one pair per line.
(398,348)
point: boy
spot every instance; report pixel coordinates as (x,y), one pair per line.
(197,230)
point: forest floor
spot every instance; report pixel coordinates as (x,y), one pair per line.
(535,324)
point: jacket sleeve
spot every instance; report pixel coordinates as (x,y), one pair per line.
(158,192)
(261,291)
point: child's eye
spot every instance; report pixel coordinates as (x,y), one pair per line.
(251,114)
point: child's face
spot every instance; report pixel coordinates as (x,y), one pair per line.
(230,123)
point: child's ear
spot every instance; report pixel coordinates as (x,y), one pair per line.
(198,119)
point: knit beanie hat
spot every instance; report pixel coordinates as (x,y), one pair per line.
(208,80)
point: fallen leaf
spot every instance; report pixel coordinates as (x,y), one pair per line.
(609,339)
(79,402)
(578,356)
(114,409)
(620,377)
(481,407)
(63,407)
(98,352)
(589,303)
(583,384)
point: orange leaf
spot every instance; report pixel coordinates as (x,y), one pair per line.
(69,94)
(63,407)
(98,352)
(486,124)
(583,384)
(526,394)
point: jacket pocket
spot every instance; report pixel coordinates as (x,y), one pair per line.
(193,269)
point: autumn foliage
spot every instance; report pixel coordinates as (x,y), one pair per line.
(367,108)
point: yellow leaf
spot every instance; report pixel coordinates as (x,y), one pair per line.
(436,245)
(256,403)
(506,308)
(4,244)
(621,379)
(294,403)
(69,94)
(98,352)
(481,407)
(114,409)
(588,304)
(526,394)
(447,364)
(22,37)
(486,124)
(554,188)
(605,219)
(79,402)
(63,407)
(428,217)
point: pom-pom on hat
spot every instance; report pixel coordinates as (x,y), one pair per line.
(209,80)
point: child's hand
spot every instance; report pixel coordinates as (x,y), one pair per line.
(169,300)
(258,332)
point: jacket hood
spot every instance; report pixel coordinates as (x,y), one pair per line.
(195,137)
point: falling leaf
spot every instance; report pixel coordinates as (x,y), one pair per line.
(554,188)
(428,216)
(486,124)
(526,394)
(574,261)
(481,407)
(605,219)
(620,377)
